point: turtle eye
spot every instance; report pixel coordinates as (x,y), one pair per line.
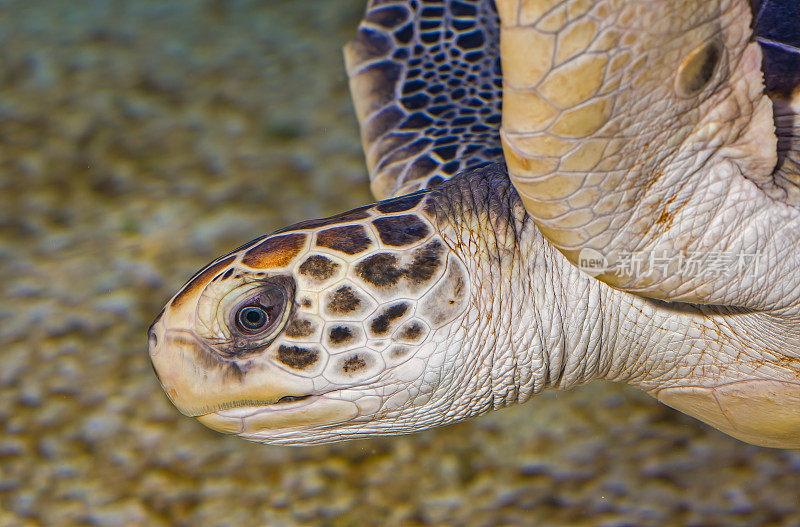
(252,318)
(260,314)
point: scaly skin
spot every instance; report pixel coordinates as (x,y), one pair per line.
(643,128)
(641,133)
(635,128)
(526,320)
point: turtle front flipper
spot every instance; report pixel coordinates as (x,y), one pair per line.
(640,139)
(426,86)
(777,27)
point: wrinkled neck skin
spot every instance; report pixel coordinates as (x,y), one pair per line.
(536,322)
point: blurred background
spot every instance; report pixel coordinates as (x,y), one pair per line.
(141,139)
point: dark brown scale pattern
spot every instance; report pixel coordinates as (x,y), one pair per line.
(400,204)
(399,231)
(381,324)
(276,251)
(340,334)
(298,327)
(297,357)
(411,332)
(381,270)
(344,300)
(353,364)
(350,239)
(425,263)
(318,267)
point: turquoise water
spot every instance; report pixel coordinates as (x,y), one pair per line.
(138,140)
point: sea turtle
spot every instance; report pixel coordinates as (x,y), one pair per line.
(644,228)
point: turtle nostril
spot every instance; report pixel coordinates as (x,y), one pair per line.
(153,340)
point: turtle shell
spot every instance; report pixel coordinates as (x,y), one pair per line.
(777,28)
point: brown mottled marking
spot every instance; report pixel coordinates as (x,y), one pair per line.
(344,300)
(306,303)
(209,360)
(354,363)
(379,270)
(277,251)
(398,352)
(318,267)
(340,334)
(299,328)
(411,332)
(200,279)
(399,231)
(225,362)
(345,217)
(233,372)
(380,324)
(448,298)
(425,263)
(400,204)
(296,357)
(350,239)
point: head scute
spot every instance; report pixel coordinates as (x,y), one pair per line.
(337,306)
(639,133)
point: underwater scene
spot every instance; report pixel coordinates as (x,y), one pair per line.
(139,140)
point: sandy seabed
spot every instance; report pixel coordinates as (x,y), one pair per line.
(140,139)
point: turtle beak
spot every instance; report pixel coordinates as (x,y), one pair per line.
(248,396)
(198,380)
(265,422)
(227,398)
(165,348)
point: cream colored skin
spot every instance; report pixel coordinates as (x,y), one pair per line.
(530,321)
(696,177)
(611,160)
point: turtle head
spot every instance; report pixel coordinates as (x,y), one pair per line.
(324,331)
